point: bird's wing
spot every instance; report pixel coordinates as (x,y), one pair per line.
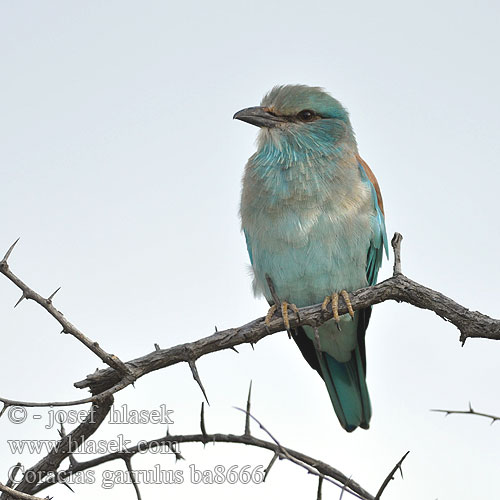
(379,239)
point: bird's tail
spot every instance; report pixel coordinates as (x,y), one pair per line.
(346,385)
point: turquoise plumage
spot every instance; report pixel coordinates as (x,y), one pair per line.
(313,220)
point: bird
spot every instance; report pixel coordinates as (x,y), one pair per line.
(313,218)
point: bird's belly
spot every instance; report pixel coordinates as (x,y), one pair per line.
(327,254)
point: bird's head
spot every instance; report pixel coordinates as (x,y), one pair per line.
(298,116)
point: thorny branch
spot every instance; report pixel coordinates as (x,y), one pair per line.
(312,465)
(105,382)
(49,465)
(470,411)
(67,327)
(390,476)
(472,324)
(16,494)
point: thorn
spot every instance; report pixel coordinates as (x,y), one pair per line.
(196,376)
(271,463)
(52,296)
(20,300)
(5,406)
(9,251)
(216,329)
(61,431)
(247,417)
(178,455)
(470,408)
(157,347)
(234,349)
(63,481)
(253,348)
(401,471)
(202,422)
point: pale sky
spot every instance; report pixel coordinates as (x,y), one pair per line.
(121,172)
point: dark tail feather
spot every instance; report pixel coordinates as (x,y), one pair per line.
(346,382)
(348,392)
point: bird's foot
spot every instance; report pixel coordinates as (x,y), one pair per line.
(334,299)
(284,312)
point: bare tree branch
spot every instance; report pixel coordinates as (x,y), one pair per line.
(128,462)
(271,463)
(316,466)
(67,327)
(68,443)
(311,468)
(470,411)
(10,493)
(471,324)
(390,476)
(103,383)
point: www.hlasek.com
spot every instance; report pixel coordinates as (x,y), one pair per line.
(220,474)
(90,446)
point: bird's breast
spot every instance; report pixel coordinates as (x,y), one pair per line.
(312,251)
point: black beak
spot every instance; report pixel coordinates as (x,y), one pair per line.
(259,116)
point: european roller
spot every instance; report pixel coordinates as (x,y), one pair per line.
(313,219)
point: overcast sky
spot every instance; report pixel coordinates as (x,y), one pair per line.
(121,172)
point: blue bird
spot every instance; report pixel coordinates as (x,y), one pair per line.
(313,219)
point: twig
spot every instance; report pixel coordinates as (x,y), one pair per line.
(128,463)
(470,411)
(471,324)
(390,476)
(10,493)
(396,246)
(311,468)
(320,486)
(28,293)
(51,462)
(271,463)
(33,404)
(317,467)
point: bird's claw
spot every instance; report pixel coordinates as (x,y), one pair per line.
(284,313)
(334,299)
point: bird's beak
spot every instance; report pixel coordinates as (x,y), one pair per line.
(259,116)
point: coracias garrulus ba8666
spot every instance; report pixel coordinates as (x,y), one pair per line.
(312,215)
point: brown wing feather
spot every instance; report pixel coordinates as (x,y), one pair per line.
(373,180)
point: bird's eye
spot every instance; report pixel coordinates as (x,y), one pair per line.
(306,115)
